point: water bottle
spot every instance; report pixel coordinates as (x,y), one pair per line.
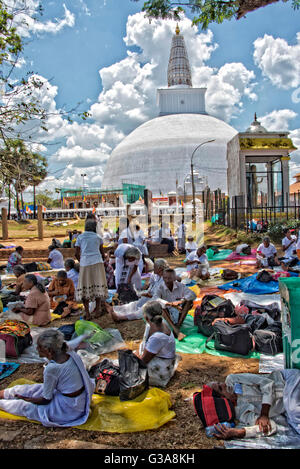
(2,351)
(210,431)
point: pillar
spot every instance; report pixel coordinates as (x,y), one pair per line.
(40,223)
(4,224)
(285,179)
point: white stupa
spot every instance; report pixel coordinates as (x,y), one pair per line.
(158,153)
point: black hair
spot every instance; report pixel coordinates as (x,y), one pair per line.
(19,248)
(62,274)
(32,278)
(170,271)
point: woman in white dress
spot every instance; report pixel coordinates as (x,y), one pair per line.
(129,266)
(158,348)
(64,397)
(92,284)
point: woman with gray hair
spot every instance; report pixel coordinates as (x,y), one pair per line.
(92,284)
(63,399)
(158,348)
(129,265)
(134,310)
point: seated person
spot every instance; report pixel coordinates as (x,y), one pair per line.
(14,259)
(36,309)
(72,269)
(243,249)
(62,293)
(289,247)
(109,272)
(258,399)
(190,245)
(133,310)
(55,258)
(266,254)
(107,236)
(63,399)
(129,266)
(157,349)
(197,263)
(20,273)
(177,300)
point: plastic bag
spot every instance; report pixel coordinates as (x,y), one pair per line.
(133,375)
(100,336)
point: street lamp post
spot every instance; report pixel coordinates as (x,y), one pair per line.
(83,176)
(192,173)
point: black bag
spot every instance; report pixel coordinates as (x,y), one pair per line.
(269,340)
(273,309)
(133,375)
(229,274)
(107,372)
(264,276)
(271,261)
(10,298)
(60,307)
(232,338)
(126,293)
(212,307)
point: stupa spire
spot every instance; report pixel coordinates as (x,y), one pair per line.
(179,71)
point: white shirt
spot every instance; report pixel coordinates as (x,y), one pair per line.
(126,233)
(239,248)
(193,256)
(179,292)
(73,275)
(56,259)
(289,252)
(89,243)
(191,246)
(161,344)
(181,230)
(107,236)
(268,252)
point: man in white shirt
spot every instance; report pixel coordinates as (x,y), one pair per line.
(289,247)
(257,400)
(181,236)
(197,263)
(177,299)
(190,245)
(266,254)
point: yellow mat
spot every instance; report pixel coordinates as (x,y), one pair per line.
(148,411)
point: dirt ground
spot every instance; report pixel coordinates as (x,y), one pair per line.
(183,432)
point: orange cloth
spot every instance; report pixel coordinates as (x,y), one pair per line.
(68,289)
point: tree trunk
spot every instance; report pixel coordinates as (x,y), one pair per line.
(9,201)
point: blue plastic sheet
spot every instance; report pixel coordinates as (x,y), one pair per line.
(252,285)
(6,369)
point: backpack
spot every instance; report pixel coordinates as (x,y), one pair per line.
(106,372)
(264,276)
(269,340)
(211,408)
(232,338)
(212,307)
(229,274)
(126,293)
(16,335)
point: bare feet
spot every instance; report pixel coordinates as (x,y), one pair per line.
(181,336)
(2,394)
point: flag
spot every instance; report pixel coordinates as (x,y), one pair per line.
(94,210)
(181,203)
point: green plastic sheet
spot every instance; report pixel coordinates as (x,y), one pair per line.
(195,342)
(219,256)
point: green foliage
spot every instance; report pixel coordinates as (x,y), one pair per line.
(275,230)
(206,11)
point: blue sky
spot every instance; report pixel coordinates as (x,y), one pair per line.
(80,38)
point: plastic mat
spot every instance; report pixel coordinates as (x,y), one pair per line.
(219,256)
(251,285)
(148,411)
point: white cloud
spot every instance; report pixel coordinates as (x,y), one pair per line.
(278,120)
(26,22)
(278,61)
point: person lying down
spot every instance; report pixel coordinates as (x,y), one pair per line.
(64,397)
(257,400)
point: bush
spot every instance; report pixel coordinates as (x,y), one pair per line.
(275,230)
